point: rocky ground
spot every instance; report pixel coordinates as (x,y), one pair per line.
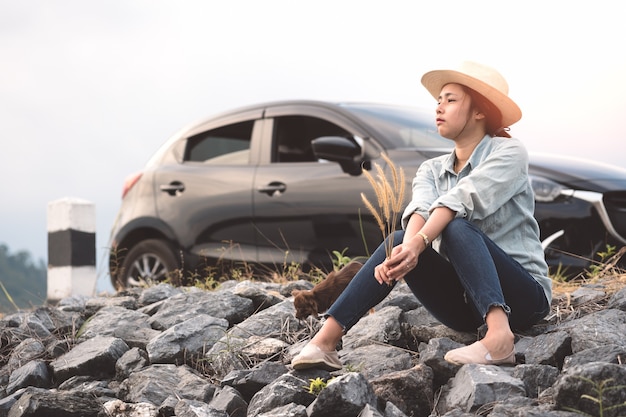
(174,351)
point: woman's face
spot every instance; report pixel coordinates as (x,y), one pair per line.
(456,117)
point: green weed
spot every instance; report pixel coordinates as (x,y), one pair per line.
(560,275)
(354,368)
(599,267)
(340,259)
(599,390)
(317,385)
(8,296)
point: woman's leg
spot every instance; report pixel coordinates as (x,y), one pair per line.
(491,277)
(433,281)
(362,293)
(462,293)
(436,285)
(501,290)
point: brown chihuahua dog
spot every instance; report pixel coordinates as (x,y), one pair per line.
(323,295)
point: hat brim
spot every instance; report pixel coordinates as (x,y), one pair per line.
(435,80)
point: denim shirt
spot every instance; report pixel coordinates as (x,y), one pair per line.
(493,192)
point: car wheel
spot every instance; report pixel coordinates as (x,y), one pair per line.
(149,262)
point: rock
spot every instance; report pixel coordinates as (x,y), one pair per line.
(173,351)
(188,408)
(383,327)
(95,357)
(549,349)
(586,294)
(230,401)
(344,396)
(155,383)
(108,320)
(260,297)
(536,378)
(188,305)
(377,359)
(618,300)
(597,329)
(189,339)
(249,381)
(26,351)
(120,408)
(475,386)
(289,410)
(594,388)
(37,402)
(609,353)
(32,374)
(417,401)
(132,360)
(284,390)
(432,354)
(157,293)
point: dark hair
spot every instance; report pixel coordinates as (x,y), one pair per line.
(493,116)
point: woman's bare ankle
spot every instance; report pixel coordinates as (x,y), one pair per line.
(499,345)
(328,336)
(499,339)
(324,347)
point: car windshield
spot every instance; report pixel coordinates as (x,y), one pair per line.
(404,127)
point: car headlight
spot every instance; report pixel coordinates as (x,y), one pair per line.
(545,190)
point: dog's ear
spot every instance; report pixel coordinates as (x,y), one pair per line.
(295,292)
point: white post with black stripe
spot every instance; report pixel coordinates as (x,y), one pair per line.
(71,248)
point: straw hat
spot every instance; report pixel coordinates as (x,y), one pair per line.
(481,78)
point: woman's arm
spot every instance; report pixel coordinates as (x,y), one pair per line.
(405,256)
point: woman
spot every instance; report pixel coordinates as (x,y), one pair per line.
(485,264)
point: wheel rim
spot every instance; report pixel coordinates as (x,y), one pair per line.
(147,269)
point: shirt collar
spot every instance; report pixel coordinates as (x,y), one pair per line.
(474,159)
(448,165)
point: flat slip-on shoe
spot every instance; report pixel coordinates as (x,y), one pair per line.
(314,357)
(477,353)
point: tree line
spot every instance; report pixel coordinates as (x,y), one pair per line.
(23,282)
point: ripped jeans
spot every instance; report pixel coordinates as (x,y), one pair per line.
(458,292)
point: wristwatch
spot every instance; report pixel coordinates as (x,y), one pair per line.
(423,235)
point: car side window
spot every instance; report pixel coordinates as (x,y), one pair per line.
(225,145)
(293,136)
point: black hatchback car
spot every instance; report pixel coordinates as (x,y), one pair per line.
(281,182)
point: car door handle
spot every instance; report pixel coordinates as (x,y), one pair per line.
(272,189)
(173,188)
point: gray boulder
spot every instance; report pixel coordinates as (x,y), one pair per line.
(167,351)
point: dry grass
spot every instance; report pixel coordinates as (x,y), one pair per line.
(389,199)
(609,279)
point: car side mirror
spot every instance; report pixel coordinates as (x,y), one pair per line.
(338,149)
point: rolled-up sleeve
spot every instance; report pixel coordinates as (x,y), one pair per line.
(424,190)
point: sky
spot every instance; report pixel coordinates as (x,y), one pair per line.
(89,90)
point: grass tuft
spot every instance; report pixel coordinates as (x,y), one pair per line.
(389,199)
(606,276)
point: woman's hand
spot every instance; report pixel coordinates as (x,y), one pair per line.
(403,259)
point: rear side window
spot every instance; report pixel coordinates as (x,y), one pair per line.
(225,145)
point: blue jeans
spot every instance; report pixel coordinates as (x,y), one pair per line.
(459,291)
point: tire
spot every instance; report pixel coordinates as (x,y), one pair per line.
(149,262)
